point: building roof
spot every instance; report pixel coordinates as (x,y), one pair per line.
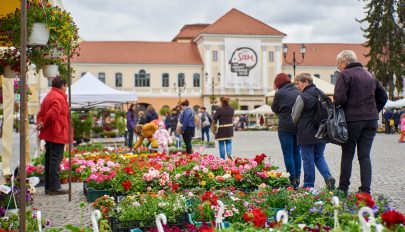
(324,54)
(190,31)
(236,22)
(135,52)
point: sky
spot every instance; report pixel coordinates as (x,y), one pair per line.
(304,21)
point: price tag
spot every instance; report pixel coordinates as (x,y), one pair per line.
(5,189)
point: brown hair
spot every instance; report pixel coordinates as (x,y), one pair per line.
(281,80)
(303,77)
(224,101)
(150,108)
(58,82)
(185,103)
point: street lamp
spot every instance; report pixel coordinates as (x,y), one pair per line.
(294,62)
(179,89)
(213,84)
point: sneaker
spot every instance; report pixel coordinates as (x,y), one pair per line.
(330,183)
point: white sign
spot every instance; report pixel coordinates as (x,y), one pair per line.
(242,63)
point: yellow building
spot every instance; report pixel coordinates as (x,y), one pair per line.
(236,56)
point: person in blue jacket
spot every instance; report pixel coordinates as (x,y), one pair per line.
(188,125)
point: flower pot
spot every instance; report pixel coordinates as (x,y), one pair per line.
(50,71)
(39,34)
(9,73)
(64,180)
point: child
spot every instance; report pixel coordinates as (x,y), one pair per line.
(163,138)
(401,138)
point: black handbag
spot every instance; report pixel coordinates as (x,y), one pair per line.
(334,128)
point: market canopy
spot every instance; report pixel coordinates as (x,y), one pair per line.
(264,109)
(325,86)
(89,91)
(395,104)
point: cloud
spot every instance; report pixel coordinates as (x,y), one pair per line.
(158,20)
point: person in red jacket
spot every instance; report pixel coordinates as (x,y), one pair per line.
(52,122)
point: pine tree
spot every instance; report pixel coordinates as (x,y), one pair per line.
(386,38)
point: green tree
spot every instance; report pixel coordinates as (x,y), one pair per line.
(386,38)
(234,103)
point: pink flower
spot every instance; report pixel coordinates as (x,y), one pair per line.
(228,213)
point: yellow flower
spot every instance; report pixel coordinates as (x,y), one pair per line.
(203,183)
(211,175)
(272,174)
(228,172)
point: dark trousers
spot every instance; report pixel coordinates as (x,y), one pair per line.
(53,159)
(187,136)
(130,135)
(361,135)
(206,131)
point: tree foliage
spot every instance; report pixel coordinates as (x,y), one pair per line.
(386,39)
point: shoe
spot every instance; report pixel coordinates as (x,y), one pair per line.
(330,183)
(58,192)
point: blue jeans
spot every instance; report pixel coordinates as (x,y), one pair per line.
(312,155)
(222,144)
(205,130)
(291,153)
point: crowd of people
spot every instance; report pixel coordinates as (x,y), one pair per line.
(360,95)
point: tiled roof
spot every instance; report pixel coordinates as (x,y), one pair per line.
(190,31)
(236,22)
(324,54)
(134,52)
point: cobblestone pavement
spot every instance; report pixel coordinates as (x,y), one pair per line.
(388,159)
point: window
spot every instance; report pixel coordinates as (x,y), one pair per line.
(196,80)
(82,74)
(243,107)
(142,79)
(214,55)
(118,80)
(165,80)
(181,80)
(271,56)
(333,77)
(101,77)
(49,83)
(317,75)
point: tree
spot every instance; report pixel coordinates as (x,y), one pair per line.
(386,38)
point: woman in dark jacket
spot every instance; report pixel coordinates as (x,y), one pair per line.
(151,114)
(131,122)
(312,149)
(283,102)
(224,116)
(187,121)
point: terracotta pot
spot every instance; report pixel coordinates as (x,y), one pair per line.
(39,34)
(50,71)
(9,73)
(64,180)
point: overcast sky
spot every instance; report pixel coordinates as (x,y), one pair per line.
(304,21)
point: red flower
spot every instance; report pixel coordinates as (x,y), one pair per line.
(247,217)
(129,170)
(364,199)
(210,197)
(257,217)
(206,228)
(126,184)
(259,158)
(392,217)
(175,187)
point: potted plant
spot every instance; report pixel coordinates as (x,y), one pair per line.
(10,61)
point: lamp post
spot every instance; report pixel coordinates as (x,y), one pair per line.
(294,62)
(179,89)
(213,84)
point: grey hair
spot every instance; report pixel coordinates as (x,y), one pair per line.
(348,56)
(302,77)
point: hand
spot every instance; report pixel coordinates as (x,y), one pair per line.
(40,126)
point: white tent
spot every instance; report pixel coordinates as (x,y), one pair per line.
(389,105)
(325,86)
(398,103)
(264,109)
(89,91)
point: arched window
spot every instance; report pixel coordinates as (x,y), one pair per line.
(101,77)
(196,80)
(118,79)
(181,80)
(165,80)
(142,79)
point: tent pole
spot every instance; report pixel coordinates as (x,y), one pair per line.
(23,103)
(70,127)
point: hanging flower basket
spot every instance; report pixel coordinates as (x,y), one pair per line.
(50,71)
(9,73)
(52,54)
(39,34)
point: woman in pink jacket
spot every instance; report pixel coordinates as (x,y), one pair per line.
(401,138)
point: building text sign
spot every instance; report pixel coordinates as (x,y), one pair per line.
(242,63)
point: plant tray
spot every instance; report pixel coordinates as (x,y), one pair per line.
(132,225)
(85,188)
(93,194)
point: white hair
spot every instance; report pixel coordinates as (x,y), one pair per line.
(347,55)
